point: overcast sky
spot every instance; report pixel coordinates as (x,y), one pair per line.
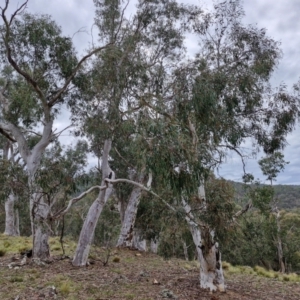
(280,18)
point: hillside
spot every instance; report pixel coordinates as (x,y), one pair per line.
(288,195)
(131,275)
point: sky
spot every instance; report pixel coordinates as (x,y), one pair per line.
(280,18)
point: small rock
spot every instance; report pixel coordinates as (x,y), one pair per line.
(168,294)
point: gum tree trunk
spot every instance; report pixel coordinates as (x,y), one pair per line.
(209,256)
(40,227)
(11,217)
(138,241)
(11,214)
(279,243)
(88,228)
(126,237)
(154,244)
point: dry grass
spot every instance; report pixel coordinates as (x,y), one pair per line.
(141,277)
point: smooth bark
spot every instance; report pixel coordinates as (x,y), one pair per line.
(154,244)
(127,230)
(11,217)
(88,228)
(138,240)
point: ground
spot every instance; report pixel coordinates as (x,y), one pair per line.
(131,275)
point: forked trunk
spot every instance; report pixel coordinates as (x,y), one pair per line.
(209,256)
(11,217)
(211,272)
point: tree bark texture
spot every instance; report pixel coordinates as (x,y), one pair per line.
(209,256)
(88,228)
(40,226)
(127,230)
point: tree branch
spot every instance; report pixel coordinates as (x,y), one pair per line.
(71,77)
(64,210)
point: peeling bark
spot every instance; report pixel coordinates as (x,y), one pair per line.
(209,256)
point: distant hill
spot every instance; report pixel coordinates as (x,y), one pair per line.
(288,195)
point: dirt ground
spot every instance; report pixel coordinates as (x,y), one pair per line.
(130,275)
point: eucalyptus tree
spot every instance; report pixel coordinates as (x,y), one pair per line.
(46,66)
(271,166)
(220,99)
(149,43)
(187,116)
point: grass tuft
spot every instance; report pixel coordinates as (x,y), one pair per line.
(116,259)
(65,288)
(2,252)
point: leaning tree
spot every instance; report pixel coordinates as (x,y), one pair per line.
(115,110)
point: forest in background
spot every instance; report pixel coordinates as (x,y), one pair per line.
(251,243)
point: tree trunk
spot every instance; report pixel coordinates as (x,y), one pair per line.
(185,251)
(88,229)
(154,243)
(209,256)
(40,227)
(11,217)
(138,241)
(279,243)
(127,229)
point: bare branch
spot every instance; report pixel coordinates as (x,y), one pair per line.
(22,7)
(121,20)
(59,133)
(141,186)
(71,77)
(64,210)
(239,153)
(13,63)
(4,133)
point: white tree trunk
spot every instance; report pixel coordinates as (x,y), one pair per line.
(11,217)
(209,256)
(154,243)
(39,211)
(40,226)
(127,229)
(88,228)
(185,251)
(138,241)
(279,243)
(11,214)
